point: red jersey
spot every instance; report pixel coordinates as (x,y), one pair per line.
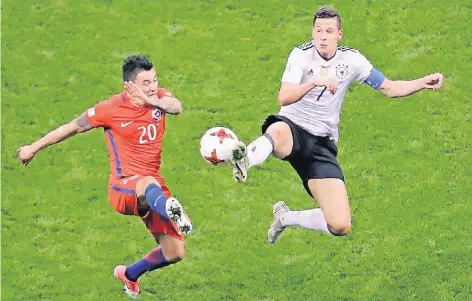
(133,134)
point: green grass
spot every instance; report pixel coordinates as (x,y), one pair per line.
(407,161)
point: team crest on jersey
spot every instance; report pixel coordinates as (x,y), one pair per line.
(341,71)
(156,114)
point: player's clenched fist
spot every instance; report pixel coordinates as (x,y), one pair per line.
(25,154)
(433,81)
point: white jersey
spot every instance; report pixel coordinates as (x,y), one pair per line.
(318,111)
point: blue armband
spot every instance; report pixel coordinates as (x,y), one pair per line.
(375,79)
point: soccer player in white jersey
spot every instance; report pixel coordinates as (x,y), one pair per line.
(305,130)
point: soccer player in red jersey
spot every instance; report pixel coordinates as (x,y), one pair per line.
(134,122)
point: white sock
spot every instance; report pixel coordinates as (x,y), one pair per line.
(259,150)
(311,219)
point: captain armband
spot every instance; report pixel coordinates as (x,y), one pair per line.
(375,79)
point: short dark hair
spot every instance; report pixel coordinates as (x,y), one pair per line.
(134,64)
(327,13)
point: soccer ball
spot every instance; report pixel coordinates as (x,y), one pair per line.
(216,145)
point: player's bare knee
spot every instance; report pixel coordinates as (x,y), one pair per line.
(177,254)
(278,130)
(174,249)
(143,183)
(339,228)
(281,135)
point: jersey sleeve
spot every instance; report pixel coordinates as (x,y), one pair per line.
(364,67)
(100,115)
(161,92)
(294,69)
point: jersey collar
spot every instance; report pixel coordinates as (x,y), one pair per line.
(318,57)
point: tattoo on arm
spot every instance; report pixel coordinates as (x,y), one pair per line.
(83,123)
(169,105)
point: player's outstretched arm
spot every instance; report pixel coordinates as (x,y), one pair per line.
(291,93)
(79,125)
(396,88)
